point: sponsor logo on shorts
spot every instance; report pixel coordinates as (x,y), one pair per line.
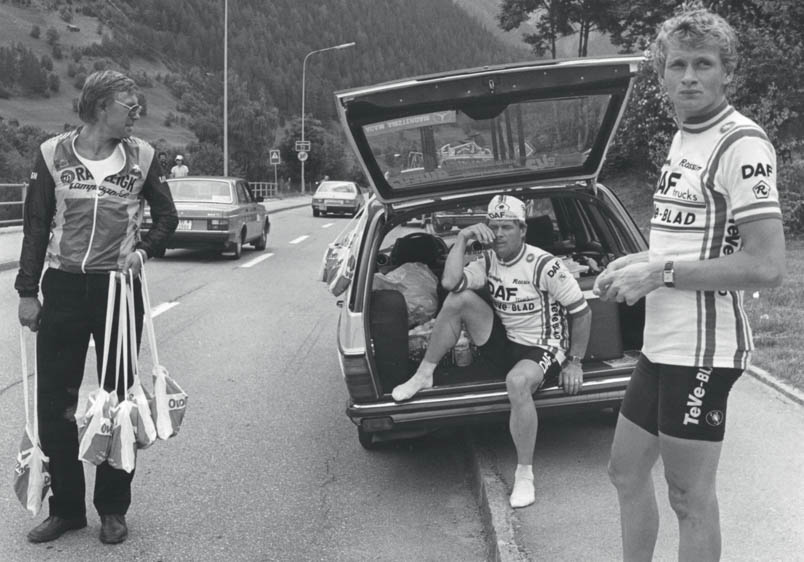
(695,398)
(714,417)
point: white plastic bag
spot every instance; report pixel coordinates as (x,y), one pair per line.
(123,446)
(340,257)
(170,401)
(141,417)
(418,284)
(95,425)
(31,471)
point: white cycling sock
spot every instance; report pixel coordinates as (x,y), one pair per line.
(524,492)
(423,378)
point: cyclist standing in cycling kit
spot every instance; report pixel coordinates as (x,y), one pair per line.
(716,231)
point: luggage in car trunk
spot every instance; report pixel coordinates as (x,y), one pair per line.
(389,332)
(605,338)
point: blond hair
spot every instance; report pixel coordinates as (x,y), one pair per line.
(696,28)
(99,88)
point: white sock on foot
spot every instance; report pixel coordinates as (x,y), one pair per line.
(524,492)
(422,379)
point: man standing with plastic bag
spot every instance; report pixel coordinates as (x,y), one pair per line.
(81,217)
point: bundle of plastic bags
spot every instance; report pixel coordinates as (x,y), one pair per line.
(340,257)
(31,475)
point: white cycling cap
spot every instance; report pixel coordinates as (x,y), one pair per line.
(505,207)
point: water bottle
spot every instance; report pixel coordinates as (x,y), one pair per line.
(462,352)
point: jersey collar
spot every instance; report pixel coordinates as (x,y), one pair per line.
(702,123)
(516,259)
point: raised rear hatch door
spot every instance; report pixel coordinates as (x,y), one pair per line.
(497,126)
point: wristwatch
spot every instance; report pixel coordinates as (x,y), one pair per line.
(574,359)
(668,275)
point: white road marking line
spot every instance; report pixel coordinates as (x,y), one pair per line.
(155,311)
(163,307)
(327,225)
(299,239)
(257,260)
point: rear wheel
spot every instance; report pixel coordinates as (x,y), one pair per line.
(159,253)
(316,212)
(261,242)
(237,249)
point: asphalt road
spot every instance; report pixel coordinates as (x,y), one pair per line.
(266,466)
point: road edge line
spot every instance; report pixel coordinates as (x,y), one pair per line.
(492,499)
(776,384)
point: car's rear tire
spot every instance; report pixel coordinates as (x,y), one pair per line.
(261,242)
(237,249)
(366,439)
(316,212)
(159,253)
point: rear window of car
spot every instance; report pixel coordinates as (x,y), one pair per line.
(541,135)
(208,191)
(336,188)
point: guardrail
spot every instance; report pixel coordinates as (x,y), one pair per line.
(10,206)
(264,189)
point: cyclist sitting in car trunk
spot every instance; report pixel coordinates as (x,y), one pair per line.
(524,335)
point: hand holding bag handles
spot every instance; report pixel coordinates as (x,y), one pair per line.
(31,475)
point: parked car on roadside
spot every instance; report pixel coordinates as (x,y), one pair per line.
(219,213)
(547,127)
(337,197)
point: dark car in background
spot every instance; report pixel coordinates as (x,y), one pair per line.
(542,130)
(344,197)
(217,213)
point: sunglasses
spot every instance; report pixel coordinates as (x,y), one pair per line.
(133,110)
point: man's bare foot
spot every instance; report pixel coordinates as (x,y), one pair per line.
(413,385)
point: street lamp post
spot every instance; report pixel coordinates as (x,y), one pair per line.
(304,71)
(226,87)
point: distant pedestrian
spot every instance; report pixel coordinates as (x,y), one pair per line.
(81,215)
(163,163)
(180,170)
(716,231)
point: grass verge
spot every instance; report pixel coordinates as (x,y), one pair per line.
(776,315)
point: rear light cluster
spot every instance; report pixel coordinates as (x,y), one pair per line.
(358,378)
(147,223)
(217,224)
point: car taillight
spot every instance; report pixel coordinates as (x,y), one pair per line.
(218,224)
(358,378)
(147,223)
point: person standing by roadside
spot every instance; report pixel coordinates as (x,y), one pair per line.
(716,231)
(163,163)
(180,170)
(82,212)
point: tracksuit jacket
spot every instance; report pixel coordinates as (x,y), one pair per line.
(80,227)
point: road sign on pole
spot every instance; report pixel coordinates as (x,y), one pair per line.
(302,146)
(275,158)
(302,156)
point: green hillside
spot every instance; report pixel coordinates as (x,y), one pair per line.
(54,112)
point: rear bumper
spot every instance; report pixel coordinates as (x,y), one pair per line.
(346,206)
(200,239)
(431,410)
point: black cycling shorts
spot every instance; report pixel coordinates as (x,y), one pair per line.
(500,354)
(684,402)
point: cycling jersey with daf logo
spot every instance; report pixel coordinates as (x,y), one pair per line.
(81,225)
(531,294)
(720,174)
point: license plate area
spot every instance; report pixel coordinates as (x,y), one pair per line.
(186,224)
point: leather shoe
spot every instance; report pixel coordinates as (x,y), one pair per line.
(113,528)
(53,527)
